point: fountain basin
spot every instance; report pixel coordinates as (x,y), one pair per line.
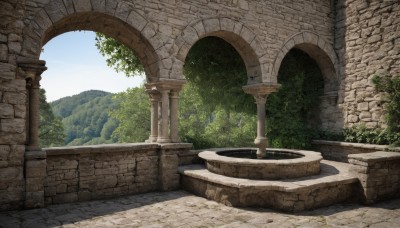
(304,163)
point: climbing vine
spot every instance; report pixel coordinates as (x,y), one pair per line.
(290,110)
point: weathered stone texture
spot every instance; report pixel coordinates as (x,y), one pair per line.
(362,35)
(340,151)
(368,43)
(379,174)
(85,173)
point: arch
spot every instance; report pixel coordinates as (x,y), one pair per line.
(114,18)
(318,49)
(243,39)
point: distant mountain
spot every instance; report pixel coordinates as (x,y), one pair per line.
(85,117)
(64,107)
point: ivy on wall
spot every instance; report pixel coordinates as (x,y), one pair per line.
(390,87)
(290,121)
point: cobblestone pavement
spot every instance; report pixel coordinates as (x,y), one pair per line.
(181,209)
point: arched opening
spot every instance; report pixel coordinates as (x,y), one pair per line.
(104,24)
(243,39)
(80,89)
(214,110)
(293,116)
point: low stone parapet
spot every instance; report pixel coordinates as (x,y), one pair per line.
(379,175)
(103,171)
(340,151)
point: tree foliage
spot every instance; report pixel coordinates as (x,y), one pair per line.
(86,118)
(119,57)
(51,132)
(217,73)
(214,110)
(290,110)
(391,87)
(133,116)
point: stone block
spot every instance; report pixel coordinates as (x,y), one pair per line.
(243,4)
(56,10)
(99,5)
(16,98)
(3,53)
(34,199)
(136,20)
(11,173)
(82,5)
(19,111)
(7,71)
(122,11)
(35,168)
(34,184)
(211,25)
(6,111)
(4,152)
(65,198)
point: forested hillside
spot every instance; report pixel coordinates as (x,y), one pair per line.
(86,117)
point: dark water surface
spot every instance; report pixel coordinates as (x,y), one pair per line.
(251,154)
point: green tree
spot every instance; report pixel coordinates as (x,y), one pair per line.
(120,57)
(51,131)
(86,118)
(216,112)
(133,115)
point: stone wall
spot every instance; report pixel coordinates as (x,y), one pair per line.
(379,174)
(98,172)
(161,32)
(12,106)
(367,40)
(340,151)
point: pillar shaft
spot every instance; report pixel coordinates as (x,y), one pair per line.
(154,96)
(260,93)
(164,137)
(174,120)
(261,140)
(34,114)
(260,101)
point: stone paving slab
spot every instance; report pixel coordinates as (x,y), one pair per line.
(181,209)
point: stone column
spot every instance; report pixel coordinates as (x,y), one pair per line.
(33,70)
(174,115)
(35,157)
(34,114)
(260,93)
(169,89)
(261,141)
(164,136)
(155,100)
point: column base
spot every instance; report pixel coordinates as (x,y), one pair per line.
(164,140)
(261,144)
(152,139)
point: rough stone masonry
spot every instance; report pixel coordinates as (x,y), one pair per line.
(351,40)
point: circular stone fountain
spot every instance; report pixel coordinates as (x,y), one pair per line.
(279,163)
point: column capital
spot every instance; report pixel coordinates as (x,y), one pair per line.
(261,89)
(170,84)
(153,93)
(32,67)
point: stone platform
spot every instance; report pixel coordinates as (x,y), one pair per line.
(333,185)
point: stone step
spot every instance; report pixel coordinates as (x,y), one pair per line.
(333,185)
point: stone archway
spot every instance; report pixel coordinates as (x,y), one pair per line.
(118,20)
(243,39)
(318,49)
(322,52)
(259,81)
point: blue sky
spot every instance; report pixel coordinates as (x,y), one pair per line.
(75,65)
